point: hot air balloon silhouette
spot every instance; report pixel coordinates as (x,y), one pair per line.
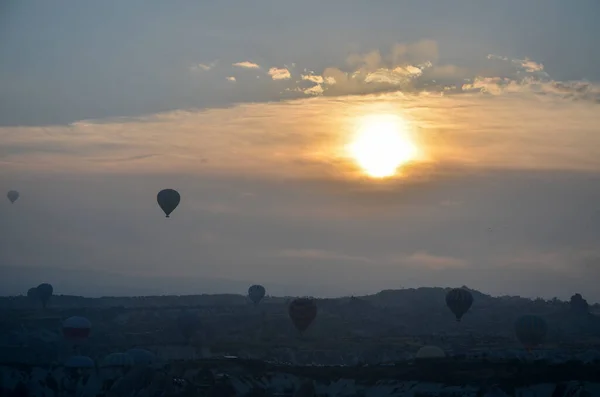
(302,312)
(12,195)
(44,293)
(459,300)
(168,200)
(256,293)
(531,330)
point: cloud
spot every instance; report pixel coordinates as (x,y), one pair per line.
(313,78)
(231,78)
(247,65)
(270,192)
(423,259)
(279,73)
(317,254)
(203,67)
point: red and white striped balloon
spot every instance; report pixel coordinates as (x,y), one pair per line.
(76,329)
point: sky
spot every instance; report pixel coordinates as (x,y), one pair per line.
(248,108)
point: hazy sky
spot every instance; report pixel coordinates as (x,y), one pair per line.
(246,108)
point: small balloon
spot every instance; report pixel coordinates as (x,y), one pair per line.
(256,293)
(12,195)
(168,200)
(459,301)
(302,312)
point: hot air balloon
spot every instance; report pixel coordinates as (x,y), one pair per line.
(430,352)
(117,360)
(302,311)
(45,292)
(141,357)
(32,293)
(188,324)
(531,330)
(459,300)
(168,200)
(76,329)
(256,293)
(12,195)
(79,362)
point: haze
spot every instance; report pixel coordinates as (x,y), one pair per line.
(246,109)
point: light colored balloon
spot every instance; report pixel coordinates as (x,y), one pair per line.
(430,352)
(141,357)
(79,362)
(117,360)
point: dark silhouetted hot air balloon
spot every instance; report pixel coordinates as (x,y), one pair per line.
(12,195)
(531,330)
(117,360)
(168,200)
(79,362)
(76,329)
(256,293)
(32,293)
(141,357)
(44,292)
(302,311)
(459,300)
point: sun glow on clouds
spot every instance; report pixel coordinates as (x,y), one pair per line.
(382,144)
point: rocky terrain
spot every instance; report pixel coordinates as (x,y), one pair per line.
(235,377)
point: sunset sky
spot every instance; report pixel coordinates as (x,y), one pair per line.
(257,112)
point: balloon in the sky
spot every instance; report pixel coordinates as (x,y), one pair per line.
(141,357)
(12,195)
(302,311)
(188,324)
(45,292)
(430,352)
(32,293)
(168,200)
(117,360)
(76,329)
(459,300)
(79,362)
(531,330)
(256,293)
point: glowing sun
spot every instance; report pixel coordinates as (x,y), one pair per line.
(381,145)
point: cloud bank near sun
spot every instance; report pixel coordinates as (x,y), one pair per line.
(503,113)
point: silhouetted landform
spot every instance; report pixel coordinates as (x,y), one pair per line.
(356,346)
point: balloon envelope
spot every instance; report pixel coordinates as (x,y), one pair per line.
(459,301)
(531,330)
(117,360)
(79,362)
(76,328)
(302,312)
(168,200)
(32,293)
(256,293)
(45,292)
(141,357)
(12,195)
(430,352)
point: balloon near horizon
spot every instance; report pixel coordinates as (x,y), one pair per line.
(382,144)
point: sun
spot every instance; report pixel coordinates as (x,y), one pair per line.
(381,145)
